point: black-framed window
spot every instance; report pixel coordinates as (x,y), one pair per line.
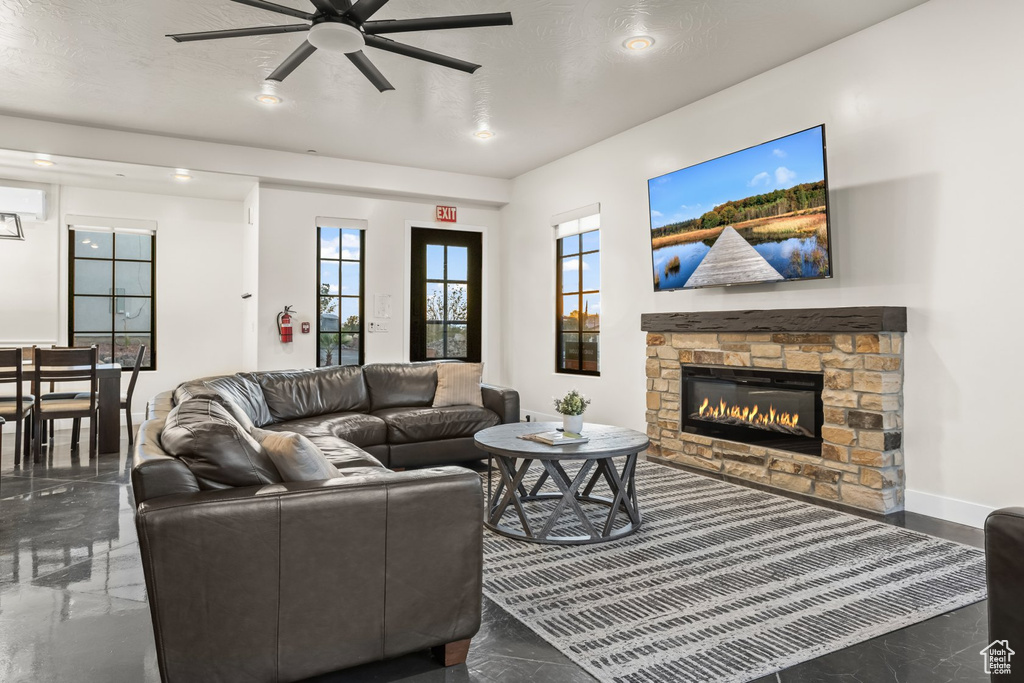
(111,298)
(578,302)
(445,295)
(339,326)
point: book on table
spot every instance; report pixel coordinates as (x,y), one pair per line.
(555,438)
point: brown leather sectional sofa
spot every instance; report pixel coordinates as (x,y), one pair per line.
(1004,562)
(283,581)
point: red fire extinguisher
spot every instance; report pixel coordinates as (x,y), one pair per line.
(284,325)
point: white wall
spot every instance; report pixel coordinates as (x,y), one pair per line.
(198,281)
(29,272)
(924,148)
(288,270)
(250,278)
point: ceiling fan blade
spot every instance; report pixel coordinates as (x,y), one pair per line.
(238,32)
(292,62)
(325,7)
(342,5)
(436,23)
(364,9)
(273,7)
(371,72)
(419,53)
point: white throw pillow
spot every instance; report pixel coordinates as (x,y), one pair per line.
(458,384)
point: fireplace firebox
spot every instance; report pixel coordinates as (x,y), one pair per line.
(764,407)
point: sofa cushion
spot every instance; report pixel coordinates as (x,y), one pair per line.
(246,394)
(458,384)
(242,391)
(411,425)
(344,455)
(293,394)
(295,456)
(394,385)
(358,428)
(210,394)
(219,453)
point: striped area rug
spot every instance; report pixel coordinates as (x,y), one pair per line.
(725,583)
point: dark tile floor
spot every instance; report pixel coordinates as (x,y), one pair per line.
(73,601)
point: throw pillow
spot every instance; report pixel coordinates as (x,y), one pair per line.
(295,456)
(458,384)
(202,434)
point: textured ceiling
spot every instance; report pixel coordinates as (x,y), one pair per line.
(555,82)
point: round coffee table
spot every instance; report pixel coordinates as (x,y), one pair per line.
(597,463)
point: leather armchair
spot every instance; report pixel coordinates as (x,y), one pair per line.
(286,581)
(1004,555)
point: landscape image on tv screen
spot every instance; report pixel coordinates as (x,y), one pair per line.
(758,215)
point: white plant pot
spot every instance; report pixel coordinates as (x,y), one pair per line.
(572,423)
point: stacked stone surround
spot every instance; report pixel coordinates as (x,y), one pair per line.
(861,463)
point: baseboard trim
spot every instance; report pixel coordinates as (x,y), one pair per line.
(537,416)
(949,509)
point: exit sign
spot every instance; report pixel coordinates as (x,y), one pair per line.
(444,214)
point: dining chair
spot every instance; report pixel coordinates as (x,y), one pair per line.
(54,395)
(126,400)
(17,408)
(67,365)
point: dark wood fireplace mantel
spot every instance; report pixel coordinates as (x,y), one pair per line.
(851,319)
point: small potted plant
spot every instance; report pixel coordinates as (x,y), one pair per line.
(571,407)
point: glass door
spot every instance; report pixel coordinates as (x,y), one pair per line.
(446,301)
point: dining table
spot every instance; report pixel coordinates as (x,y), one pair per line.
(109,376)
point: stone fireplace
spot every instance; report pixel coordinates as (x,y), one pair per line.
(806,400)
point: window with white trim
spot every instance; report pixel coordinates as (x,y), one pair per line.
(340,256)
(111,297)
(578,296)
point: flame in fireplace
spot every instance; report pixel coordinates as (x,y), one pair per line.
(747,414)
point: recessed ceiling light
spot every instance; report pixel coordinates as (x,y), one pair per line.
(484,134)
(182,174)
(638,43)
(268,99)
(44,162)
(95,246)
(86,241)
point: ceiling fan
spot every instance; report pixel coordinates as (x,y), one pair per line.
(341,26)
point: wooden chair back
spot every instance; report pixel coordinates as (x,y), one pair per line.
(12,370)
(135,373)
(67,365)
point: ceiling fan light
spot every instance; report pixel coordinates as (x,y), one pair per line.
(335,36)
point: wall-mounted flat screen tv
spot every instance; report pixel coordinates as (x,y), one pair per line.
(754,216)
